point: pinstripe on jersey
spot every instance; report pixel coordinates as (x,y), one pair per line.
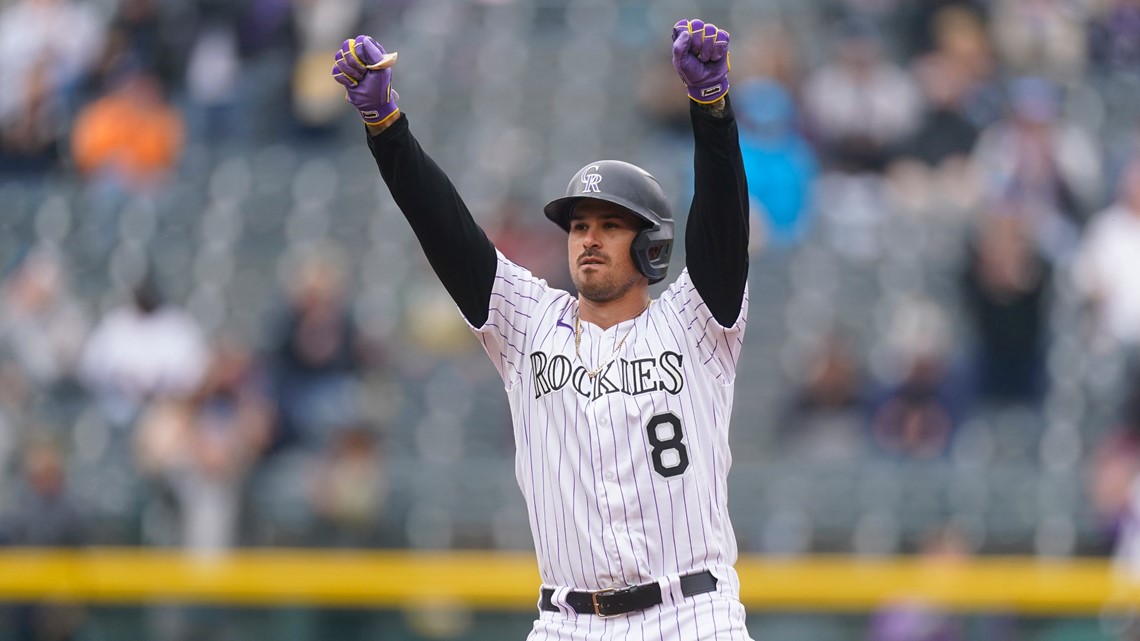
(625,476)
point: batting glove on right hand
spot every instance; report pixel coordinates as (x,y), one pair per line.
(700,55)
(366,73)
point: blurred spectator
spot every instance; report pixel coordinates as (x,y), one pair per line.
(914,619)
(140,33)
(1041,37)
(268,37)
(14,392)
(349,491)
(658,101)
(824,418)
(944,550)
(203,446)
(923,23)
(130,138)
(45,515)
(142,350)
(320,26)
(1114,485)
(917,413)
(1049,168)
(213,67)
(31,41)
(945,133)
(30,135)
(780,164)
(963,39)
(432,333)
(523,238)
(126,144)
(137,24)
(876,11)
(1113,468)
(317,355)
(860,105)
(769,52)
(1107,266)
(1004,283)
(42,323)
(932,171)
(1115,37)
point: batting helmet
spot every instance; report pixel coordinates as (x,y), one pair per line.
(635,189)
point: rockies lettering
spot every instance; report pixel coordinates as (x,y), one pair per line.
(624,474)
(640,376)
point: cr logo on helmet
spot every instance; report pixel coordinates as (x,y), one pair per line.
(591,180)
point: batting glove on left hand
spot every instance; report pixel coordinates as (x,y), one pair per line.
(366,73)
(700,55)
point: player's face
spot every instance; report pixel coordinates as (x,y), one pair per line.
(600,262)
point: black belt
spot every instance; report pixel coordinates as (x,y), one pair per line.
(615,601)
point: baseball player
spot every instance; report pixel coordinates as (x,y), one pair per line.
(620,403)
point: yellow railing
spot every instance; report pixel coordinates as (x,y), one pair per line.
(508,581)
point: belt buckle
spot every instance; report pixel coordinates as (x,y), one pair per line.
(597,606)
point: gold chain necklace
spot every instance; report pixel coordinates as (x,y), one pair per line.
(578,343)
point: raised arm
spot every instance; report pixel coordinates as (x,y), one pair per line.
(458,250)
(716,236)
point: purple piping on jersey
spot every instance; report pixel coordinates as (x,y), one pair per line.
(507,320)
(542,339)
(536,526)
(568,565)
(535,456)
(585,502)
(680,341)
(607,515)
(573,510)
(692,412)
(512,303)
(506,340)
(564,537)
(594,479)
(502,355)
(621,486)
(629,434)
(511,283)
(668,406)
(697,445)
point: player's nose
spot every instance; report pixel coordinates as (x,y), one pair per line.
(590,238)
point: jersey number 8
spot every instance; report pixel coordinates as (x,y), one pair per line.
(670,456)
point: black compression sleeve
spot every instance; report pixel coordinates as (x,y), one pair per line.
(458,250)
(716,237)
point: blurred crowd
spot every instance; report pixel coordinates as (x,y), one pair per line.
(1015,120)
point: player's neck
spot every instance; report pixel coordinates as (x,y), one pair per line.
(609,313)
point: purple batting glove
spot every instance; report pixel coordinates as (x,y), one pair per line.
(369,89)
(700,55)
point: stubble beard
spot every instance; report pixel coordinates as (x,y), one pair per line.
(603,289)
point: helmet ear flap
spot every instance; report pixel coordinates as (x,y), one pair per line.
(651,250)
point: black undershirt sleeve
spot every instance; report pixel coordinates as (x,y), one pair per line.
(716,237)
(457,248)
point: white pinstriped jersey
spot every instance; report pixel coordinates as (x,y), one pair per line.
(625,475)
